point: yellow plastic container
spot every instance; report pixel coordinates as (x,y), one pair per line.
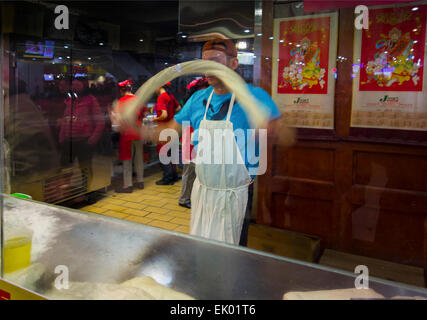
(17,245)
(17,253)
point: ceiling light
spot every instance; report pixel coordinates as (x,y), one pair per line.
(242,45)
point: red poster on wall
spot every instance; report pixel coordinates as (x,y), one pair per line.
(304,56)
(392,58)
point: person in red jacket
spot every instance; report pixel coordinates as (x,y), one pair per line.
(166,108)
(189,172)
(82,125)
(130,144)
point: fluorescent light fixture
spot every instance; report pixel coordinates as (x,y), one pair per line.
(245,58)
(242,45)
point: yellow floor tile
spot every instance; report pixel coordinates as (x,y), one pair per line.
(136,212)
(180,214)
(162,224)
(97,204)
(176,207)
(171,191)
(115,214)
(148,192)
(115,201)
(142,220)
(136,199)
(134,205)
(156,210)
(94,209)
(159,216)
(180,221)
(166,195)
(113,207)
(154,203)
(150,197)
(183,229)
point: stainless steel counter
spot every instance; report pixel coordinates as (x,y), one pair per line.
(102,249)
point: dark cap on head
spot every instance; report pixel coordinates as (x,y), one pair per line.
(224,45)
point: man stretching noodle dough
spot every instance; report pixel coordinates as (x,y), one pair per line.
(220,192)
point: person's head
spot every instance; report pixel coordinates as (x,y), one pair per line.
(80,82)
(125,87)
(80,85)
(165,88)
(222,51)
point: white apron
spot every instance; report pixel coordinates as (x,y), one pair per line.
(220,191)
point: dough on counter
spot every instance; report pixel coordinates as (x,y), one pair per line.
(158,291)
(339,294)
(408,298)
(98,291)
(28,277)
(141,288)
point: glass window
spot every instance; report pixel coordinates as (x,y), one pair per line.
(329,199)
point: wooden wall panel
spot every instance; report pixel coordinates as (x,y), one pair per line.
(317,219)
(387,234)
(359,193)
(305,163)
(390,170)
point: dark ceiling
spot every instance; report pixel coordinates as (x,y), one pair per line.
(160,16)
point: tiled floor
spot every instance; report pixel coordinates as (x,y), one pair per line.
(154,206)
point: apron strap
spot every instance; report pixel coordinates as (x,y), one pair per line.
(207,104)
(230,107)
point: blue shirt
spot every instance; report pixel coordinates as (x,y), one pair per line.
(194,110)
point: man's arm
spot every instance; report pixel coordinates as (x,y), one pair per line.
(280,133)
(163,116)
(153,133)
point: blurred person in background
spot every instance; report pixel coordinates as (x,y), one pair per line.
(130,144)
(189,173)
(82,125)
(166,107)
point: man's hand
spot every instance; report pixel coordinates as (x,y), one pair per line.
(282,134)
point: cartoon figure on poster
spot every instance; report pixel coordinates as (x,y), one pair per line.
(394,61)
(393,53)
(304,67)
(304,54)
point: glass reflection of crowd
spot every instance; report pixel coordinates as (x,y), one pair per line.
(66,119)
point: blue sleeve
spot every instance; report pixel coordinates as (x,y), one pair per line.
(185,113)
(266,102)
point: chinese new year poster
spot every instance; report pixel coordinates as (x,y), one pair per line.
(304,57)
(388,70)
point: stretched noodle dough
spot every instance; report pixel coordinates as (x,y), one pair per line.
(339,294)
(231,80)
